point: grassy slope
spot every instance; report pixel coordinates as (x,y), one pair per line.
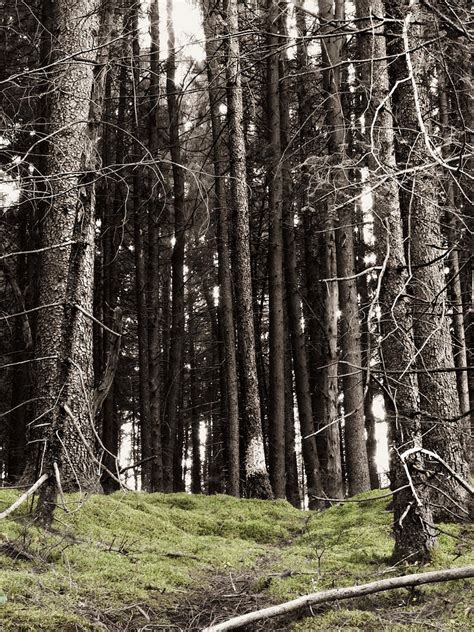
(119,557)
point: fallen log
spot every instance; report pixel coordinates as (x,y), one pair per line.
(336,594)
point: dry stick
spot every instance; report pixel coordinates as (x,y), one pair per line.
(435,456)
(24,496)
(336,594)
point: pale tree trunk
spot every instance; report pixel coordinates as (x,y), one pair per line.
(175,369)
(257,481)
(275,271)
(439,400)
(65,385)
(414,537)
(215,68)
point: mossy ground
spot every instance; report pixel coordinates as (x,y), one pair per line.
(117,562)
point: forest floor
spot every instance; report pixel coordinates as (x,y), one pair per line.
(132,561)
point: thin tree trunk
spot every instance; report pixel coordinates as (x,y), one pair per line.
(141,265)
(155,214)
(275,272)
(175,371)
(331,56)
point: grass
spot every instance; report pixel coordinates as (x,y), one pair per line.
(117,560)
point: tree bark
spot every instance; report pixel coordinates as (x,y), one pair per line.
(439,401)
(175,370)
(275,271)
(414,538)
(226,311)
(257,481)
(64,333)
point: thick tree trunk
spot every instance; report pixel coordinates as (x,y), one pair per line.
(439,401)
(414,538)
(331,57)
(64,372)
(257,481)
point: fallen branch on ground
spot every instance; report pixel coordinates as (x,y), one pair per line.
(24,496)
(337,594)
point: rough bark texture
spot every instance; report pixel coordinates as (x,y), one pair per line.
(155,217)
(414,538)
(257,481)
(331,55)
(64,333)
(175,369)
(226,312)
(439,401)
(275,256)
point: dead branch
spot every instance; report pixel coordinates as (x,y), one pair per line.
(24,496)
(336,594)
(436,457)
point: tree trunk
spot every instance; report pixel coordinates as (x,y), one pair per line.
(141,265)
(226,311)
(443,430)
(275,272)
(414,538)
(155,214)
(64,372)
(175,370)
(257,481)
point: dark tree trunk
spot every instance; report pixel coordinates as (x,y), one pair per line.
(275,272)
(175,370)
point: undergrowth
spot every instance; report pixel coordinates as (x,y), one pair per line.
(118,562)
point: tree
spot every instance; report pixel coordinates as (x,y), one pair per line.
(439,400)
(257,482)
(414,538)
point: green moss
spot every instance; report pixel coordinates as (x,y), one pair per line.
(112,557)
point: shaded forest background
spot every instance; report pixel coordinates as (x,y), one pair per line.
(214,262)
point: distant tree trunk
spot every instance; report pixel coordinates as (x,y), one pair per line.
(226,312)
(113,154)
(350,340)
(194,403)
(443,430)
(141,265)
(414,538)
(257,481)
(367,351)
(306,345)
(454,233)
(275,272)
(331,57)
(155,214)
(175,371)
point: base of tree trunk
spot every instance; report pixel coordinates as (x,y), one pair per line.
(258,486)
